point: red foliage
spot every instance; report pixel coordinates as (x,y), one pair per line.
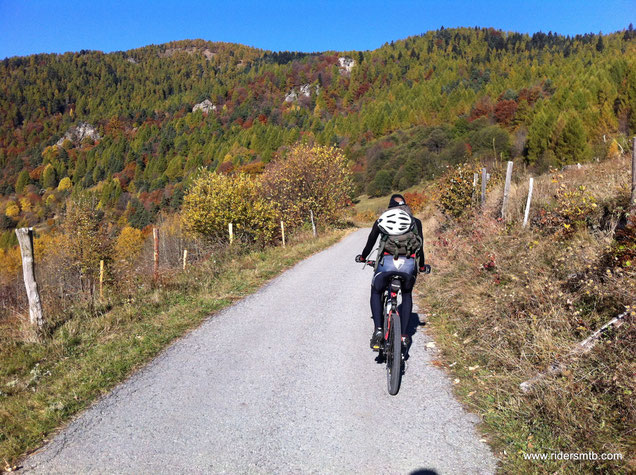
(416,201)
(34,198)
(490,264)
(530,95)
(36,173)
(225,167)
(362,90)
(253,168)
(505,111)
(482,108)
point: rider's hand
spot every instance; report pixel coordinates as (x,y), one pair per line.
(359,258)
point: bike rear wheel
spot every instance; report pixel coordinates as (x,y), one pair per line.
(394,355)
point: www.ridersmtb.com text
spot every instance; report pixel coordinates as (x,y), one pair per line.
(573,456)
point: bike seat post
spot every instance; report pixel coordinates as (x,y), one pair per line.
(396,286)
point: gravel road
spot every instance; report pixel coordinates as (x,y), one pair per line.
(281,382)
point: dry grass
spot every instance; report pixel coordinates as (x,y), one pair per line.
(506,302)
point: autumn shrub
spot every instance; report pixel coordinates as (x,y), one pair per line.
(416,200)
(10,272)
(457,191)
(87,239)
(215,200)
(126,252)
(574,207)
(309,178)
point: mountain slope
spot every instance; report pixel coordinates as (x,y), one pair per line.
(406,109)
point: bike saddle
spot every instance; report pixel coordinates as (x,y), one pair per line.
(396,284)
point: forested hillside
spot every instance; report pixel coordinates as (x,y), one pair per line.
(400,113)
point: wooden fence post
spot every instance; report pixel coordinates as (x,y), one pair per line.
(231,230)
(101,279)
(155,236)
(506,190)
(25,239)
(527,213)
(313,225)
(185,258)
(483,186)
(633,201)
(282,229)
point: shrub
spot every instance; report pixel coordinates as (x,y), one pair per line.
(65,184)
(215,200)
(416,201)
(457,191)
(309,178)
(87,239)
(126,253)
(574,208)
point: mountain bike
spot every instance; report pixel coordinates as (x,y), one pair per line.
(391,348)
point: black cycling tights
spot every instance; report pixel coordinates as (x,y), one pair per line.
(405,310)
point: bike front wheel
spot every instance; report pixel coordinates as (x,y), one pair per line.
(394,354)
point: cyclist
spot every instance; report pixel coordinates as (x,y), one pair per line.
(401,258)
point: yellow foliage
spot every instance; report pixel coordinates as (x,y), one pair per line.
(25,204)
(65,184)
(50,153)
(215,200)
(10,265)
(51,250)
(310,178)
(87,242)
(12,210)
(128,246)
(614,150)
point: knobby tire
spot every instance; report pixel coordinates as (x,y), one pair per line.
(394,356)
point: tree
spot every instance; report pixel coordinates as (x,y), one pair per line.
(23,180)
(49,179)
(600,46)
(571,144)
(65,184)
(309,178)
(215,200)
(381,184)
(87,239)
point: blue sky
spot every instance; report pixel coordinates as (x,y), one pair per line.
(37,26)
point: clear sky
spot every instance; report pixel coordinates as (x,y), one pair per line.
(37,26)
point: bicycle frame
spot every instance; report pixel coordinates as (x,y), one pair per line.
(390,296)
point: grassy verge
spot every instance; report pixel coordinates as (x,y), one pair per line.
(43,385)
(505,302)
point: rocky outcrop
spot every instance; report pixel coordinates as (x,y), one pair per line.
(346,64)
(131,60)
(303,91)
(189,50)
(78,133)
(206,107)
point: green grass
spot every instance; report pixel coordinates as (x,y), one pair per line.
(43,385)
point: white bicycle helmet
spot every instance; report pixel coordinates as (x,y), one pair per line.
(395,222)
